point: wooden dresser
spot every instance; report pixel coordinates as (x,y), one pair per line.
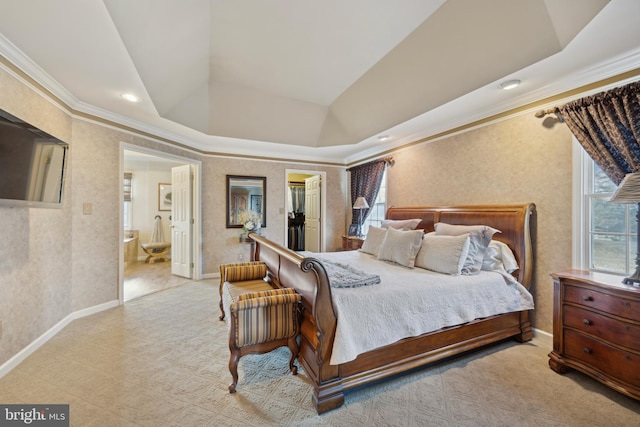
(596,329)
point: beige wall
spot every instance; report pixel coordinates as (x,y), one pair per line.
(221,244)
(513,161)
(54,262)
(35,247)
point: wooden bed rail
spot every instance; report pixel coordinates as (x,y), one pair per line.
(308,277)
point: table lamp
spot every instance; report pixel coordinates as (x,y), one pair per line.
(629,192)
(360,204)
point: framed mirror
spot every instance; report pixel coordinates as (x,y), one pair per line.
(246,202)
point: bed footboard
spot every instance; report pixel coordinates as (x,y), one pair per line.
(317,331)
(286,268)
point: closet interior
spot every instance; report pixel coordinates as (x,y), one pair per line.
(296,215)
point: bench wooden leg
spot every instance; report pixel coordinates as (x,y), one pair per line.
(234,358)
(292,343)
(221,317)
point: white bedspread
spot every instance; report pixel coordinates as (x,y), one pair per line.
(411,302)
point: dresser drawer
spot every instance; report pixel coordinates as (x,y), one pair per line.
(622,307)
(612,330)
(619,364)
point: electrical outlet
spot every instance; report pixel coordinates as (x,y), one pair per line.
(87,208)
(240,257)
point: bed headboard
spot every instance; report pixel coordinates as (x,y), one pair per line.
(516,223)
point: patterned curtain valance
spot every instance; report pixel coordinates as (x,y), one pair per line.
(365,182)
(607,125)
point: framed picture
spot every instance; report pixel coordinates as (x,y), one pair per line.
(164,196)
(353,230)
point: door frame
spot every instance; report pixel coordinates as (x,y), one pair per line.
(197,210)
(323,205)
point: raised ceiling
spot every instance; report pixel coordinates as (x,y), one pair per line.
(312,80)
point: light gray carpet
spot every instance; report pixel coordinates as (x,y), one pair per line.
(161,360)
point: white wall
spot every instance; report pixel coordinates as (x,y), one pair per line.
(146,177)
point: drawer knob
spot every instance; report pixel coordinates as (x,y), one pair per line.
(587,298)
(627,304)
(587,350)
(586,321)
(628,357)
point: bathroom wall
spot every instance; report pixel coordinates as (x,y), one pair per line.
(147,174)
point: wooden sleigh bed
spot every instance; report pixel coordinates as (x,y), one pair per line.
(318,328)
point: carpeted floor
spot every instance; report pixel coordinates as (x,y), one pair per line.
(161,360)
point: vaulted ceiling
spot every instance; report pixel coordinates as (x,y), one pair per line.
(313,80)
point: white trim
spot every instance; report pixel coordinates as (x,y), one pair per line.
(323,204)
(196,166)
(542,338)
(7,366)
(579,254)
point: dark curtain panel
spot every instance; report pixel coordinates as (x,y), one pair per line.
(365,182)
(607,125)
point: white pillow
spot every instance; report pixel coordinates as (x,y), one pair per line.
(373,241)
(480,237)
(401,246)
(499,257)
(443,254)
(401,224)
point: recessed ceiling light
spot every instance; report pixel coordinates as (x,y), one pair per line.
(383,138)
(509,84)
(130,97)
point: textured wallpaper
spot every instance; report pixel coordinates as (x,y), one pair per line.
(35,248)
(221,244)
(513,161)
(56,262)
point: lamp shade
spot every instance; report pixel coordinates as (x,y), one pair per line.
(629,189)
(361,203)
(629,192)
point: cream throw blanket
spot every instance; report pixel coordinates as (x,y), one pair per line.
(412,301)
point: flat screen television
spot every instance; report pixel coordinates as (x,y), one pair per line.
(32,165)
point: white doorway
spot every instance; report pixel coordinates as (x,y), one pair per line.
(313,217)
(151,177)
(297,236)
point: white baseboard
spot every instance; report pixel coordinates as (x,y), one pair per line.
(6,367)
(543,338)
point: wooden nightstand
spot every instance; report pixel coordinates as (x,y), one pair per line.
(351,243)
(596,329)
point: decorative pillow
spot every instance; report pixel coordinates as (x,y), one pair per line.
(373,241)
(401,224)
(401,246)
(499,257)
(443,254)
(480,237)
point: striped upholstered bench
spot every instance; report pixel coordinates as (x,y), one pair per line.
(260,320)
(241,278)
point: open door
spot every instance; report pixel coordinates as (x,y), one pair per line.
(312,228)
(182,221)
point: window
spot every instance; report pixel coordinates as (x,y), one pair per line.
(379,208)
(609,230)
(127,216)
